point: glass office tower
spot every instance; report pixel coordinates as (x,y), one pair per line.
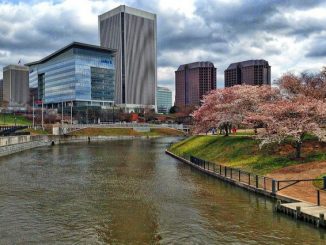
(164,100)
(80,73)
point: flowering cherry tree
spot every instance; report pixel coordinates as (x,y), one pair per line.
(288,116)
(307,84)
(291,120)
(223,108)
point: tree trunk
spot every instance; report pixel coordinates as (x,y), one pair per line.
(226,131)
(298,149)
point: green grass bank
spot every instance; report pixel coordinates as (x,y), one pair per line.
(11,119)
(243,152)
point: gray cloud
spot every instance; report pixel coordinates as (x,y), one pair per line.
(218,31)
(317,48)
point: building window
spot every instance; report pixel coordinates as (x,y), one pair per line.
(41,86)
(102,84)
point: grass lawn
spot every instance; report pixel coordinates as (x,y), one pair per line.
(9,119)
(319,184)
(37,131)
(243,152)
(125,132)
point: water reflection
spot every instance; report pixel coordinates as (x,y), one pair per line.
(131,192)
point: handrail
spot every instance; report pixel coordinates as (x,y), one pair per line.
(290,180)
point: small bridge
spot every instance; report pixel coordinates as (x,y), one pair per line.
(143,127)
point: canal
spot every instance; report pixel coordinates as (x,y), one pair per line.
(131,192)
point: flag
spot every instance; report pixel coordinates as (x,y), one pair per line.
(19,61)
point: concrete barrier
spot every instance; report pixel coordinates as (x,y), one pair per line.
(14,144)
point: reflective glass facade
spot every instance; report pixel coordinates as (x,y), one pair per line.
(164,100)
(77,74)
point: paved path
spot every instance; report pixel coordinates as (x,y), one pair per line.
(304,191)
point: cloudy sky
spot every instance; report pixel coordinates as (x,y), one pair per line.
(291,35)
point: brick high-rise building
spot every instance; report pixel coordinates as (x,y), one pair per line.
(192,81)
(250,72)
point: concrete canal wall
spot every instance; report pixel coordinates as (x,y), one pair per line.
(296,208)
(14,144)
(234,181)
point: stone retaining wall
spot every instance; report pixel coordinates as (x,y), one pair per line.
(13,148)
(13,144)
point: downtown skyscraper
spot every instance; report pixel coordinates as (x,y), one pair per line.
(192,82)
(132,32)
(250,72)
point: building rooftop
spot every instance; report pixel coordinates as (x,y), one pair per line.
(70,46)
(128,10)
(15,67)
(164,89)
(247,63)
(196,65)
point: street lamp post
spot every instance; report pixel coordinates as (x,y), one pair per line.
(71,112)
(42,115)
(113,113)
(33,114)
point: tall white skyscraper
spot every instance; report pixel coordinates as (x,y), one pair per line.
(133,33)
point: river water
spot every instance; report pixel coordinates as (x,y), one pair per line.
(131,192)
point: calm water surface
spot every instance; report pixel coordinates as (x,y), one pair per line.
(131,192)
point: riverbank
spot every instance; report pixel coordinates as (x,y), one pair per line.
(276,162)
(11,119)
(126,132)
(13,144)
(290,204)
(243,152)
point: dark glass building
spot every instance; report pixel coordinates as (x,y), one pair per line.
(80,73)
(192,81)
(250,72)
(133,33)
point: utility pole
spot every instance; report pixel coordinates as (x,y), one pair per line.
(62,112)
(33,114)
(113,113)
(86,114)
(71,112)
(42,114)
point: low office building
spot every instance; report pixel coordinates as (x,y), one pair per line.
(164,100)
(250,72)
(79,73)
(15,87)
(192,82)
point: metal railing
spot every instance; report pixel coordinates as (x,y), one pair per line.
(265,183)
(283,184)
(253,180)
(321,197)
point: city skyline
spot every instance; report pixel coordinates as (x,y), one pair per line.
(290,35)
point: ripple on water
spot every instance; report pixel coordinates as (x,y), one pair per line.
(130,192)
